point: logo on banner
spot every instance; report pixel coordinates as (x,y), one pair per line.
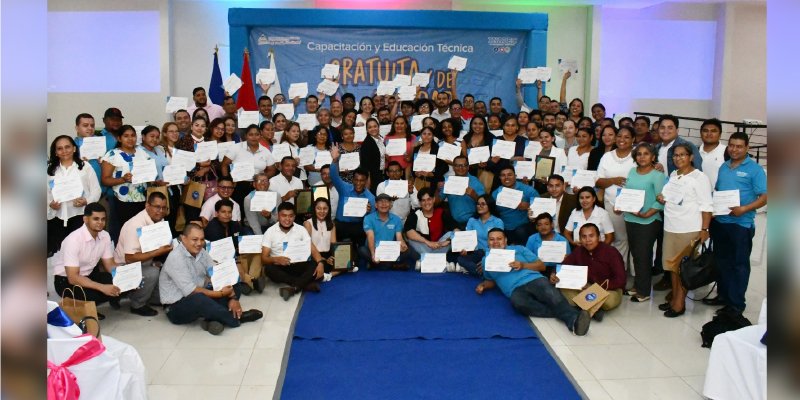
(502,44)
(278,40)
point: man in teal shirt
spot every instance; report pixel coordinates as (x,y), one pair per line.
(517,226)
(462,207)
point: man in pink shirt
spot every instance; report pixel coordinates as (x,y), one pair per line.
(201,101)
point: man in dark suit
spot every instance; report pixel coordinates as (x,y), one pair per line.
(565,202)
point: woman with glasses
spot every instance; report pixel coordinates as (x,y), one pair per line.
(481,224)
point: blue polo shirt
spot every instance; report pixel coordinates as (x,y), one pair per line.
(383,230)
(509,281)
(111,140)
(94,163)
(482,229)
(750,179)
(513,218)
(535,241)
(462,207)
(345,190)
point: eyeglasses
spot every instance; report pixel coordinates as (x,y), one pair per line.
(159,208)
(225,187)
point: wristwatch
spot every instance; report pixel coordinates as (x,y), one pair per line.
(704,229)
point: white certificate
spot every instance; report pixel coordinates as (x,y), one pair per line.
(568,65)
(509,198)
(221,250)
(416,122)
(242,171)
(421,79)
(355,207)
(263,201)
(281,150)
(307,156)
(543,205)
(395,147)
(297,251)
(184,159)
(247,118)
(477,155)
(630,200)
(396,188)
(387,250)
(349,161)
(307,122)
(402,80)
(457,63)
(176,103)
(504,149)
(552,251)
(456,185)
(424,162)
(407,93)
(724,200)
(567,172)
(386,88)
(127,277)
(154,236)
(225,149)
(93,147)
(250,244)
(322,158)
(360,133)
(496,132)
(277,136)
(328,87)
(433,263)
(330,71)
(572,276)
(232,84)
(174,175)
(673,191)
(224,274)
(464,240)
(583,178)
(384,130)
(524,169)
(448,151)
(532,149)
(298,90)
(287,109)
(265,76)
(498,260)
(144,171)
(528,75)
(205,151)
(544,73)
(67,188)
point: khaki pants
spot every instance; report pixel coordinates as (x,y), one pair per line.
(612,301)
(250,268)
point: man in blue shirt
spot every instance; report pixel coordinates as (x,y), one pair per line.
(517,226)
(462,207)
(350,227)
(733,233)
(530,292)
(379,226)
(545,232)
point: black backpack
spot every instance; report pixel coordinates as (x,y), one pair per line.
(724,322)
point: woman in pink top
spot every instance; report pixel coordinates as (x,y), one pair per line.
(401,130)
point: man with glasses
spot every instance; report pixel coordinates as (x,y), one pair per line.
(224,191)
(462,207)
(400,206)
(258,221)
(130,251)
(565,202)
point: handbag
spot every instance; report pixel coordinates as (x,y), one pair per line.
(698,269)
(81,312)
(211,185)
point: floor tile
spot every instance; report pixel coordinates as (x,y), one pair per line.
(606,332)
(255,392)
(153,360)
(242,337)
(650,388)
(264,367)
(593,390)
(212,367)
(683,359)
(660,330)
(274,334)
(156,332)
(194,392)
(572,363)
(696,382)
(620,361)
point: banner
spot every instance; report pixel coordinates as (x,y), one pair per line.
(369,55)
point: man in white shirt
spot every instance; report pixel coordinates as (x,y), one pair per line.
(201,101)
(224,191)
(285,183)
(713,154)
(442,111)
(400,206)
(565,202)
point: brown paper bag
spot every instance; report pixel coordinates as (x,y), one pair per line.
(674,263)
(81,312)
(193,194)
(163,190)
(421,183)
(180,220)
(487,179)
(591,298)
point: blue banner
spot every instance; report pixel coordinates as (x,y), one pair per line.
(370,55)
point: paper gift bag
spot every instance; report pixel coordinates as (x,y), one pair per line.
(180,220)
(82,312)
(486,178)
(162,190)
(421,183)
(193,194)
(591,298)
(674,263)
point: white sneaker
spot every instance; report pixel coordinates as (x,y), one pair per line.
(355,269)
(418,266)
(451,267)
(326,277)
(461,269)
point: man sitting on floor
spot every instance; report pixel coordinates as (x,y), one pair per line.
(382,225)
(529,292)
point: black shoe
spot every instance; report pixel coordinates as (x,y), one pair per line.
(145,311)
(664,307)
(581,325)
(598,316)
(260,283)
(245,289)
(716,301)
(664,284)
(114,303)
(730,310)
(672,313)
(250,316)
(212,327)
(286,292)
(100,317)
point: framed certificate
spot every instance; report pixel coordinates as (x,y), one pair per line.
(342,255)
(544,167)
(320,191)
(303,202)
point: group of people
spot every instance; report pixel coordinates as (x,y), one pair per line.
(369,191)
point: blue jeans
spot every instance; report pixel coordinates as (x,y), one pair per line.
(538,298)
(198,305)
(422,248)
(471,260)
(732,246)
(365,260)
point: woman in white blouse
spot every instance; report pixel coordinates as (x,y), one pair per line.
(117,168)
(247,152)
(578,156)
(323,232)
(588,211)
(65,165)
(547,139)
(611,175)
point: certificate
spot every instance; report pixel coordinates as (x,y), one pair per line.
(396,188)
(572,276)
(265,76)
(567,65)
(421,79)
(504,149)
(355,207)
(456,185)
(543,205)
(175,103)
(477,155)
(287,109)
(281,150)
(143,171)
(552,251)
(225,149)
(298,90)
(498,260)
(673,191)
(349,161)
(386,88)
(263,201)
(328,87)
(464,240)
(242,171)
(724,200)
(127,277)
(395,147)
(583,178)
(93,147)
(307,155)
(524,169)
(416,122)
(186,159)
(630,200)
(154,236)
(496,132)
(433,263)
(322,158)
(247,118)
(384,130)
(205,151)
(307,122)
(567,172)
(303,202)
(276,138)
(448,152)
(509,198)
(297,251)
(528,75)
(360,133)
(174,175)
(232,84)
(457,63)
(544,167)
(250,244)
(424,162)
(224,274)
(387,250)
(532,149)
(544,73)
(67,188)
(221,250)
(402,80)
(320,192)
(407,93)
(330,71)
(342,255)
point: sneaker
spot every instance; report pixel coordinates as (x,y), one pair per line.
(212,327)
(451,267)
(145,311)
(631,292)
(461,269)
(326,277)
(418,266)
(581,325)
(639,298)
(355,269)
